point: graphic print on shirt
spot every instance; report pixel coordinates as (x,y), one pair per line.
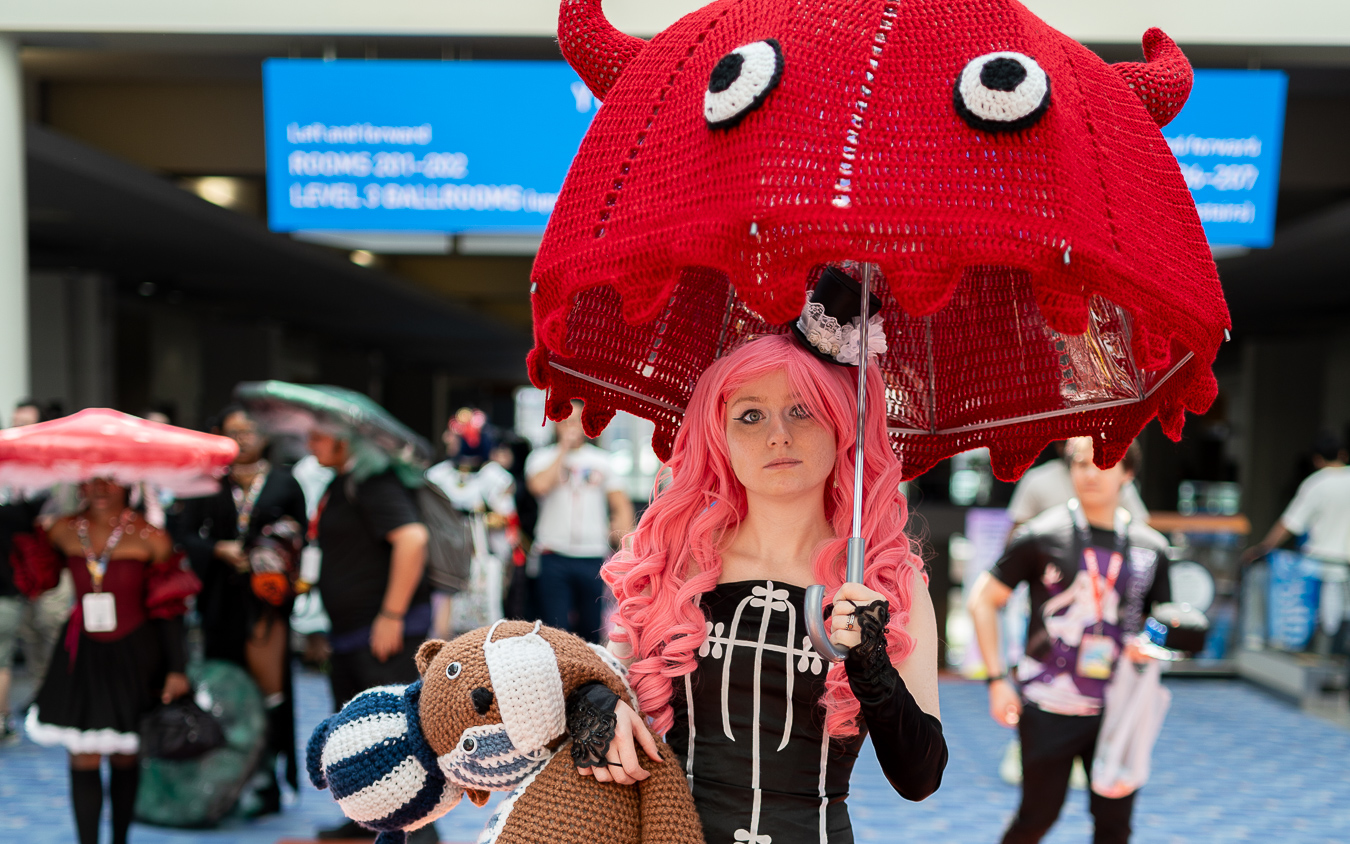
(1058,682)
(719,646)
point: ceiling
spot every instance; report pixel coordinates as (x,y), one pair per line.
(90,210)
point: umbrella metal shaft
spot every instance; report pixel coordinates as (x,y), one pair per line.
(857,545)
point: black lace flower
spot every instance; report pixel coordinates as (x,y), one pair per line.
(591,722)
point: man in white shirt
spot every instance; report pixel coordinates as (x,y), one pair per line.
(1321,510)
(584,512)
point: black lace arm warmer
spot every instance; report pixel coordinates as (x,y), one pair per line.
(908,741)
(173,639)
(591,722)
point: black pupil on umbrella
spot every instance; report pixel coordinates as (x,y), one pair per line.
(1002,74)
(469,745)
(728,70)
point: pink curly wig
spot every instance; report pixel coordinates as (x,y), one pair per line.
(674,556)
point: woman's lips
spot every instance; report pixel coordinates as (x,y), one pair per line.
(782,463)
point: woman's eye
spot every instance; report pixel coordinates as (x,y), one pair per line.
(452,670)
(1002,92)
(741,82)
(800,412)
(750,416)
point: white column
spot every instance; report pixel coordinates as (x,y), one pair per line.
(14,368)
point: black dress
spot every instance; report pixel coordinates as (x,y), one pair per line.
(762,769)
(100,685)
(227,605)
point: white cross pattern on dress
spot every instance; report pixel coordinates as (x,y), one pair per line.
(806,658)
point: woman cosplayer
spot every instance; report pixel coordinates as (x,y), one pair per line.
(124,651)
(710,591)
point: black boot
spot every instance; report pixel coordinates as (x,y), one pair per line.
(262,794)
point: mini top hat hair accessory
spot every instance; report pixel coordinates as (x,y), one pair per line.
(829,326)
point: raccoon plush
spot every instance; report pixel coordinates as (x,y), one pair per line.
(491,713)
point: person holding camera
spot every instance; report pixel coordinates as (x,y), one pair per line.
(584,512)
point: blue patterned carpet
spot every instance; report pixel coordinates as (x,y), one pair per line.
(1233,765)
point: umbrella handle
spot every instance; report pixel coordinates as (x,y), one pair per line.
(815,596)
(857,545)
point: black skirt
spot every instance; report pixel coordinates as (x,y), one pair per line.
(96,705)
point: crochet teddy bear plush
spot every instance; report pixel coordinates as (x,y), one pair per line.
(514,707)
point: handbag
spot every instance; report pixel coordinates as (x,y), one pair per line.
(480,604)
(274,561)
(180,730)
(1135,706)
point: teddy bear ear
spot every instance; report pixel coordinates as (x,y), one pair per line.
(427,653)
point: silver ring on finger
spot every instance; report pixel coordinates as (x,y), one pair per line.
(850,621)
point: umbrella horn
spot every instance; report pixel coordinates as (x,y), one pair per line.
(596,50)
(1163,80)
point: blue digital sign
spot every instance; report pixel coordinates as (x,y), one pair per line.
(1227,140)
(428,146)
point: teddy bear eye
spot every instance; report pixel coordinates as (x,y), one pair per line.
(1002,92)
(452,670)
(741,82)
(469,745)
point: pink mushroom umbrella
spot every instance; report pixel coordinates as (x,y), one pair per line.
(102,443)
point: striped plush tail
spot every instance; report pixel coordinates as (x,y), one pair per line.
(314,752)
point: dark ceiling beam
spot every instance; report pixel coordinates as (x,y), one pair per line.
(97,212)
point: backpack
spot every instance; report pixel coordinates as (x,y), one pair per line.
(450,546)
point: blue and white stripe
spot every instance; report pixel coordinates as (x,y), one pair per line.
(374,759)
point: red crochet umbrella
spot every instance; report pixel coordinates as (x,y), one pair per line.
(101,443)
(1042,267)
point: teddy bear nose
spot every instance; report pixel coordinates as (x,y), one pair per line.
(482,700)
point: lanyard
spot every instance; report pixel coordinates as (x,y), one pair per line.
(98,566)
(312,535)
(1122,527)
(245,501)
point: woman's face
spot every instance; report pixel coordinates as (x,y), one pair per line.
(103,494)
(243,430)
(777,448)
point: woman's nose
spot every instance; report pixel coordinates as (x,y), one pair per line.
(778,433)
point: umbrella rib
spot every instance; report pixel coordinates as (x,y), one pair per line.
(616,388)
(1049,414)
(964,429)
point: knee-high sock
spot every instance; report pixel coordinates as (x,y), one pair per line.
(86,799)
(122,792)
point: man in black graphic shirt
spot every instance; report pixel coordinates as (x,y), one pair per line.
(1094,576)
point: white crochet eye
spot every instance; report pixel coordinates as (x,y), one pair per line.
(741,82)
(452,670)
(1002,92)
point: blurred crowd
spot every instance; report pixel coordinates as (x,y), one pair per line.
(330,554)
(326,550)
